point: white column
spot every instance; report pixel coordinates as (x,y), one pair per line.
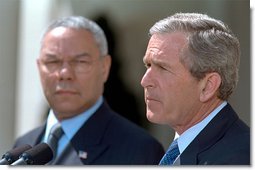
(8,52)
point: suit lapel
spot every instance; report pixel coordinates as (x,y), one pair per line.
(177,162)
(189,155)
(68,157)
(208,136)
(88,140)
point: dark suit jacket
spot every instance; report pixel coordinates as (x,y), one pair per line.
(224,141)
(106,139)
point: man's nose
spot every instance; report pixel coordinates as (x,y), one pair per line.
(66,71)
(147,80)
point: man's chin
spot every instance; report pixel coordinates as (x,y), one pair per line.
(153,118)
(64,114)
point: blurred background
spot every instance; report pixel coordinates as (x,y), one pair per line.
(126,24)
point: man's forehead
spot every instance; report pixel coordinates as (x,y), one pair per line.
(156,52)
(169,43)
(58,31)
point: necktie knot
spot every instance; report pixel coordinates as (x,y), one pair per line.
(171,154)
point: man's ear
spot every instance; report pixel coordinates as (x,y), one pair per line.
(209,86)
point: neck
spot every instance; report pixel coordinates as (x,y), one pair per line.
(201,114)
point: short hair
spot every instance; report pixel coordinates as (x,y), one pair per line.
(211,47)
(79,22)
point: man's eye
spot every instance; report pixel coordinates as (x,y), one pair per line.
(52,62)
(81,61)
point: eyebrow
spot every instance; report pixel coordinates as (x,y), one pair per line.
(49,55)
(155,61)
(158,62)
(82,55)
(85,54)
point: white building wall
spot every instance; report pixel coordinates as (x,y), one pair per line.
(8,45)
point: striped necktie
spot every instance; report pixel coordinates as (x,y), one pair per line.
(55,133)
(171,154)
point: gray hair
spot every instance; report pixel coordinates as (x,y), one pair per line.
(212,47)
(79,22)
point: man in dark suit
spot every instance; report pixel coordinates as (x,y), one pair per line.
(192,65)
(73,66)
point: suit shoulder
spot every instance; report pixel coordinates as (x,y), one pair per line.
(30,137)
(127,129)
(126,137)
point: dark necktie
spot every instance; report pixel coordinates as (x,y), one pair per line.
(55,133)
(171,154)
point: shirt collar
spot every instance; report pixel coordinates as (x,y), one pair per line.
(188,136)
(72,125)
